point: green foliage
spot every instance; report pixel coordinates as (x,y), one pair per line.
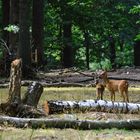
(136,10)
(137,37)
(103,64)
(101,19)
(12,28)
(125,57)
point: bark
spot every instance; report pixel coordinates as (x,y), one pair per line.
(137,53)
(15,82)
(33,94)
(67,52)
(5,19)
(37,29)
(87,43)
(64,84)
(91,105)
(70,123)
(14,19)
(112,51)
(24,36)
(56,84)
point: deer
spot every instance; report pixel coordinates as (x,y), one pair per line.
(115,85)
(99,90)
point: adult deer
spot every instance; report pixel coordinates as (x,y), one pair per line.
(115,85)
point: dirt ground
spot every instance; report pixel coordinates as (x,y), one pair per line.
(131,74)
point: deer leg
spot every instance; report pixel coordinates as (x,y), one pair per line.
(101,95)
(111,96)
(126,96)
(97,94)
(102,92)
(123,95)
(114,96)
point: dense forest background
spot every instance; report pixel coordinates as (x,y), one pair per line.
(88,34)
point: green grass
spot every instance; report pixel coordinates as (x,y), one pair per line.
(73,93)
(67,134)
(83,93)
(10,133)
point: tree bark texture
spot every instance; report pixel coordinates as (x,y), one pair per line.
(137,53)
(37,29)
(14,19)
(90,105)
(33,94)
(112,51)
(87,44)
(69,123)
(24,36)
(15,82)
(67,52)
(5,19)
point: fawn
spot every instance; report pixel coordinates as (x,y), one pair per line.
(115,85)
(99,90)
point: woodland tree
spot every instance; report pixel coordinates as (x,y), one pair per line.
(65,25)
(37,30)
(14,19)
(5,19)
(137,53)
(24,36)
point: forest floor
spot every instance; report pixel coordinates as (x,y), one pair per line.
(68,84)
(85,78)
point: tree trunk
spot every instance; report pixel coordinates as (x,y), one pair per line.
(137,53)
(90,105)
(14,19)
(67,52)
(5,37)
(86,36)
(5,19)
(69,123)
(112,51)
(24,37)
(37,30)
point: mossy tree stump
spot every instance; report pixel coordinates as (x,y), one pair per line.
(26,107)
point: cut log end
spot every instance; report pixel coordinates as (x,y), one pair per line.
(16,63)
(46,107)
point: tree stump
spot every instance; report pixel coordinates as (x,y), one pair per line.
(26,107)
(15,82)
(33,94)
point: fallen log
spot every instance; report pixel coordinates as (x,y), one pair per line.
(52,107)
(69,123)
(64,84)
